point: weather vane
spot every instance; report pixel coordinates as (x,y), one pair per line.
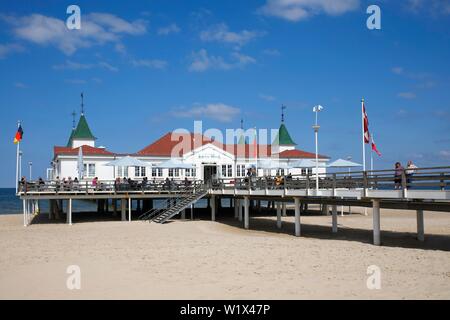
(283,107)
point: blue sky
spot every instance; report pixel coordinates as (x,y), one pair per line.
(154,66)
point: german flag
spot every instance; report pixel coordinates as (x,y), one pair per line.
(19,135)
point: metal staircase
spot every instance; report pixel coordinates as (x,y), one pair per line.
(175,205)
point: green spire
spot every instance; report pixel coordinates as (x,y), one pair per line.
(82,131)
(283,137)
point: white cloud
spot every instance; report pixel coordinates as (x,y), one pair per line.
(96,29)
(202,61)
(435,7)
(221,33)
(70,65)
(297,10)
(75,81)
(9,48)
(107,66)
(397,70)
(267,97)
(216,111)
(20,85)
(164,31)
(152,64)
(407,95)
(272,52)
(445,154)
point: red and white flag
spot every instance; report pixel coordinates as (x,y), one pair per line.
(366,125)
(374,148)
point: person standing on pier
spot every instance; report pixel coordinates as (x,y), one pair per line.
(411,169)
(398,175)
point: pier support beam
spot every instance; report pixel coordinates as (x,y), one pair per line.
(420,226)
(183,214)
(240,211)
(376,223)
(278,215)
(246,212)
(192,211)
(123,203)
(213,208)
(236,208)
(284,209)
(114,203)
(130,202)
(335,219)
(25,220)
(297,218)
(69,212)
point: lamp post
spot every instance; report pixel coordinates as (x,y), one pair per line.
(31,170)
(316,128)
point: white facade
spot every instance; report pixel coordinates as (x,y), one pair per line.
(208,160)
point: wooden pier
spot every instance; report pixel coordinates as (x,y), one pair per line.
(427,189)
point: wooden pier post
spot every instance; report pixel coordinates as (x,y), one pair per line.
(25,224)
(297,218)
(236,208)
(114,203)
(130,203)
(69,212)
(420,226)
(213,208)
(240,210)
(183,214)
(376,223)
(335,219)
(284,210)
(123,209)
(278,215)
(246,212)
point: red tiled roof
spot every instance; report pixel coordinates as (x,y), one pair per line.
(87,150)
(179,144)
(299,154)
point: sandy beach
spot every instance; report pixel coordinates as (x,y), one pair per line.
(220,260)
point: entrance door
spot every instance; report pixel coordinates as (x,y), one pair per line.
(209,172)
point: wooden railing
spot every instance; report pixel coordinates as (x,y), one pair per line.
(106,186)
(437,178)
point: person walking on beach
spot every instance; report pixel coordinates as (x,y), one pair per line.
(398,175)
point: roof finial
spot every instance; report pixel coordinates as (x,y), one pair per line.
(74,114)
(82,104)
(283,107)
(242,124)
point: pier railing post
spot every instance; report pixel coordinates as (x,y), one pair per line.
(376,223)
(420,226)
(335,219)
(297,218)
(365,183)
(404,184)
(334,184)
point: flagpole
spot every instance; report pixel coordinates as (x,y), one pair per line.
(363,140)
(371,155)
(17,161)
(256,151)
(363,143)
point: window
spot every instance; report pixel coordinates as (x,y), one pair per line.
(240,170)
(156,172)
(230,171)
(174,172)
(280,172)
(224,171)
(143,172)
(305,172)
(89,170)
(137,171)
(191,172)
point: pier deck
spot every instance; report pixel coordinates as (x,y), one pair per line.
(427,189)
